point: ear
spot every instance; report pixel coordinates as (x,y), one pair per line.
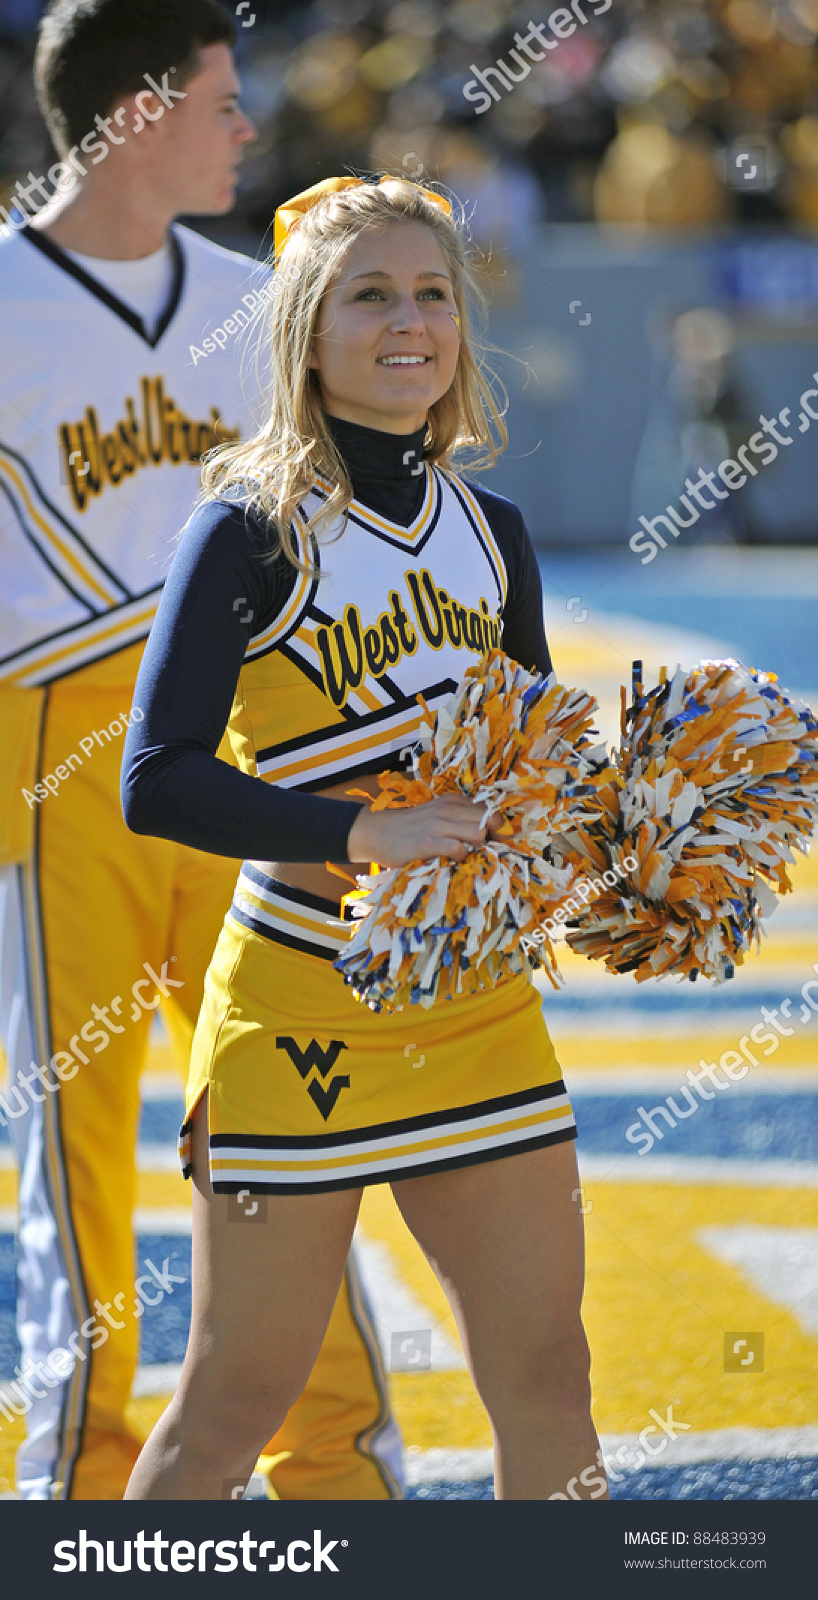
(138,112)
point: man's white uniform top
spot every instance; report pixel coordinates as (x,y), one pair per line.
(101,430)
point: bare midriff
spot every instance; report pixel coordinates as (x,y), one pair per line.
(312,876)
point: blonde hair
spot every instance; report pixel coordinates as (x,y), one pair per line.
(278,465)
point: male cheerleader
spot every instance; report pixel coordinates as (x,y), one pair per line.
(121,366)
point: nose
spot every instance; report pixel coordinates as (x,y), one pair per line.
(407,317)
(246,132)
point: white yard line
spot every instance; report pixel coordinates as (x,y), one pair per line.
(781,1262)
(698,1169)
(660,1080)
(722,1444)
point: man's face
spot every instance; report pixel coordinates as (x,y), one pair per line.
(195,147)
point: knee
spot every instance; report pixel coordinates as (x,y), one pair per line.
(546,1374)
(227,1418)
(563,1372)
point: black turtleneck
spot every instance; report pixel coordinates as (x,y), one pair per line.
(173,784)
(383,468)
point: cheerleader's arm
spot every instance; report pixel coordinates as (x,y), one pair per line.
(174,786)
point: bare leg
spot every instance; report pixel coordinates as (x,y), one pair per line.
(262,1298)
(506,1241)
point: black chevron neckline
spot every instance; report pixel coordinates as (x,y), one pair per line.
(65,262)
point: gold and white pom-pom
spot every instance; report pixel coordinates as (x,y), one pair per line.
(718,782)
(516,743)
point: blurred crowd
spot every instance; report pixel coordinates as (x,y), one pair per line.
(640,114)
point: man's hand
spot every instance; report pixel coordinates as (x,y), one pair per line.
(451,826)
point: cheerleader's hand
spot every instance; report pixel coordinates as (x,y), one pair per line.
(451,826)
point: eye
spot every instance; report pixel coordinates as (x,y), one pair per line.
(366,294)
(436,294)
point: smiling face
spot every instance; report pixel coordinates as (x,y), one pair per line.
(386,343)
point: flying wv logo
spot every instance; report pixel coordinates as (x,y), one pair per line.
(324,1060)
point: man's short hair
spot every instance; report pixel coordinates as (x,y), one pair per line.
(92,54)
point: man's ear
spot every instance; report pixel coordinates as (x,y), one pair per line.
(138,111)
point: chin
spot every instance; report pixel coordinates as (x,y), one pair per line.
(212,205)
(225,200)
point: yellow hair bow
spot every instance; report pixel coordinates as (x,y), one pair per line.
(287,215)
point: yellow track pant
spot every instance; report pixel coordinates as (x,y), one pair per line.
(99,928)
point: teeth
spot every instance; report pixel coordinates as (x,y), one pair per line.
(402,361)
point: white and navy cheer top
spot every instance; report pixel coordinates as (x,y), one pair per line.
(316,677)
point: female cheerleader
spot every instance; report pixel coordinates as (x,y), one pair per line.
(337,569)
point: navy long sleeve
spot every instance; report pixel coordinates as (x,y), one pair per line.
(173,783)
